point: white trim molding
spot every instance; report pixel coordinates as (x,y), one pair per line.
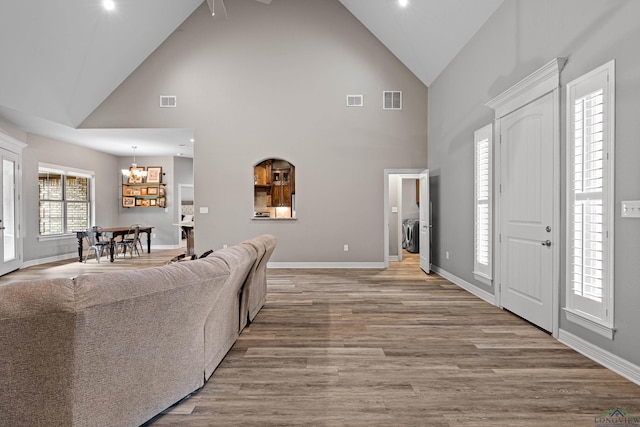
(609,360)
(532,87)
(592,325)
(10,143)
(469,287)
(300,265)
(544,81)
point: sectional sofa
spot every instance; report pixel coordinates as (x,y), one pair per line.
(115,349)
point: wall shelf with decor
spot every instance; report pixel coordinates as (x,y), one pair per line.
(144,188)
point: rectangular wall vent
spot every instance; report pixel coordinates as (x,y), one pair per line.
(392,100)
(167,101)
(355,100)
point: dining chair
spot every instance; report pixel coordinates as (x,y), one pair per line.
(95,243)
(130,241)
(139,241)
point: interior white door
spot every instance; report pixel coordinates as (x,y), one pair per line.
(526,211)
(425,223)
(9,253)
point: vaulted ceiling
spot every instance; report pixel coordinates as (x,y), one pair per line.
(59,59)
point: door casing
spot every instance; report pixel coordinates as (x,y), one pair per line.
(545,80)
(14,148)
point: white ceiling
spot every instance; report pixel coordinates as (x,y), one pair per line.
(61,58)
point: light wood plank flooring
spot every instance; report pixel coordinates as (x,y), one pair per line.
(71,267)
(389,347)
(396,348)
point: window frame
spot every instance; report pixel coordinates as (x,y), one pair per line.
(596,316)
(483,272)
(65,171)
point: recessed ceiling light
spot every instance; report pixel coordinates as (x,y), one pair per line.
(109,5)
(403,3)
(192,140)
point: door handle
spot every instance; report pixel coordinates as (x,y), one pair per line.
(546,243)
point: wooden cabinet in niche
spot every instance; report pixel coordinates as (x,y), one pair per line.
(274,189)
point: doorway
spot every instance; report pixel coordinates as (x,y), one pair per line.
(185,209)
(526,211)
(401,202)
(10,212)
(527,223)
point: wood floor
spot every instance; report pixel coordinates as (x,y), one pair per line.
(395,347)
(71,267)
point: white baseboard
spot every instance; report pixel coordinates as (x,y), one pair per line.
(609,360)
(39,261)
(161,247)
(480,293)
(325,265)
(55,258)
(394,258)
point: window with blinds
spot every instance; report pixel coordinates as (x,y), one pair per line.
(482,203)
(64,200)
(590,196)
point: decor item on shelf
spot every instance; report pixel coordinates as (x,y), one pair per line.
(134,173)
(154,175)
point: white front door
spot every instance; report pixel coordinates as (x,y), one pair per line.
(527,211)
(425,223)
(9,250)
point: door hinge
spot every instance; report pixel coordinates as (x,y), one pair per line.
(499,238)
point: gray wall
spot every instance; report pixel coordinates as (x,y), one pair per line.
(163,220)
(108,180)
(519,38)
(272,82)
(410,208)
(107,201)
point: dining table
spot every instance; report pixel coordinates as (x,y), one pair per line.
(112,233)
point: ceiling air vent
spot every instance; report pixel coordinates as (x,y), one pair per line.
(392,100)
(167,101)
(355,101)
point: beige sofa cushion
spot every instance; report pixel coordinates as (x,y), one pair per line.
(36,352)
(222,326)
(139,339)
(108,349)
(265,245)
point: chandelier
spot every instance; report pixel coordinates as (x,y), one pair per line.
(134,171)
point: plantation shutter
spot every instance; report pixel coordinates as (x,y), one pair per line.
(587,202)
(590,196)
(482,228)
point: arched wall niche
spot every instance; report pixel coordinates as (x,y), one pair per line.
(274,189)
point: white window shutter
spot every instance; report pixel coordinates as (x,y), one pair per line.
(483,152)
(590,109)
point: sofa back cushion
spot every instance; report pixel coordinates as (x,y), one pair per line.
(139,339)
(36,352)
(222,326)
